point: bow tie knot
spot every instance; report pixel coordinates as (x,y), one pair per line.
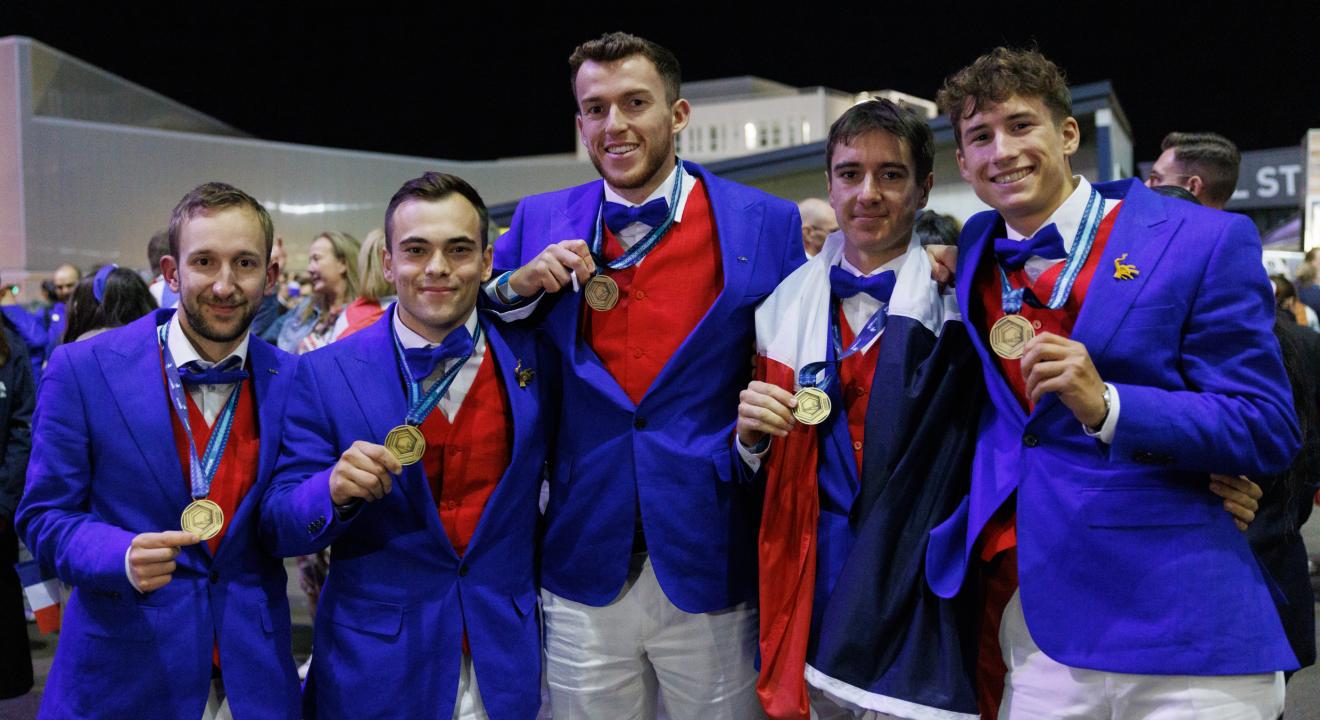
(423,361)
(1046,243)
(619,216)
(226,372)
(879,286)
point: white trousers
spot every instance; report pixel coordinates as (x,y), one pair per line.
(1038,687)
(468,705)
(217,702)
(608,662)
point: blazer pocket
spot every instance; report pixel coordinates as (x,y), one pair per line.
(117,618)
(1152,316)
(525,603)
(369,616)
(1145,507)
(721,460)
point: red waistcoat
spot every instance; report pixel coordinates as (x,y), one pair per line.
(238,465)
(660,301)
(855,380)
(466,458)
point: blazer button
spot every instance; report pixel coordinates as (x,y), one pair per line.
(215,577)
(640,423)
(462,570)
(1030,440)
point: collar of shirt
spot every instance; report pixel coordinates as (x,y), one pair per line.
(183,351)
(637,230)
(860,307)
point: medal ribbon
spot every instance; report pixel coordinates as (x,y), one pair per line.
(1013,298)
(820,374)
(643,247)
(421,404)
(200,472)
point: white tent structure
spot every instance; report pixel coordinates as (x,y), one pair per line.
(91,165)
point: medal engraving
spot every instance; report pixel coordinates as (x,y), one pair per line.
(406,443)
(813,406)
(602,293)
(202,518)
(1009,336)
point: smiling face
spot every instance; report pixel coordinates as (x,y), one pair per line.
(437,263)
(325,270)
(626,123)
(875,194)
(220,275)
(1016,158)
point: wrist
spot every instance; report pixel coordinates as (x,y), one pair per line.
(505,289)
(1104,409)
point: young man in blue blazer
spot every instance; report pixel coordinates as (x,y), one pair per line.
(151,448)
(416,446)
(1126,345)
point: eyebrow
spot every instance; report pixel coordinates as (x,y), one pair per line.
(852,165)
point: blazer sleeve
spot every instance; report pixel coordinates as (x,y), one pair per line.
(1236,415)
(55,517)
(297,515)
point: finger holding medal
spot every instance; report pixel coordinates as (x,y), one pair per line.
(764,409)
(551,270)
(365,471)
(1051,363)
(151,557)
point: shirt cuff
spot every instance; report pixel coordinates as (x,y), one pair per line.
(515,310)
(753,456)
(1106,432)
(128,569)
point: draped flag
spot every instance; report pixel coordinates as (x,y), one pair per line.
(883,641)
(43,595)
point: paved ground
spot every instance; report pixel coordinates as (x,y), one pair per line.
(1303,690)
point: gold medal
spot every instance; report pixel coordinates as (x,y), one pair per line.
(406,443)
(602,293)
(202,518)
(813,406)
(1009,336)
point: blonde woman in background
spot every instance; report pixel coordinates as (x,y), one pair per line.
(375,292)
(332,268)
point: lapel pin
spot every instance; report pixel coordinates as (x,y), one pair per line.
(1124,271)
(524,375)
(272,371)
(742,258)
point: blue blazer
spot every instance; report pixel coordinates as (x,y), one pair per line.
(670,455)
(389,627)
(1127,562)
(104,468)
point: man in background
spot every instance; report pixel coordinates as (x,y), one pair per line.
(1204,164)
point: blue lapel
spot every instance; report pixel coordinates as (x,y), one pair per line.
(970,254)
(371,373)
(1142,231)
(142,402)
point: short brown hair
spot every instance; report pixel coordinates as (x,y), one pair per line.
(433,187)
(884,114)
(213,196)
(999,75)
(1212,157)
(614,46)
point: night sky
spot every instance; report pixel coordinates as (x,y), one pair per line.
(468,84)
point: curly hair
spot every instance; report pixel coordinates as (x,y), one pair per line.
(999,75)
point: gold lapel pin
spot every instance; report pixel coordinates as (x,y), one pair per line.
(1124,271)
(524,375)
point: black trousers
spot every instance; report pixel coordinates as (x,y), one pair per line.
(15,654)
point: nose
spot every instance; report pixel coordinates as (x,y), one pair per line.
(870,190)
(437,265)
(615,121)
(224,281)
(1005,147)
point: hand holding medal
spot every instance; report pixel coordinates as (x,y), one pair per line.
(764,409)
(151,557)
(365,472)
(553,269)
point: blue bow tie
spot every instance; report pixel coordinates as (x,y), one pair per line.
(619,216)
(226,372)
(844,284)
(1046,243)
(423,361)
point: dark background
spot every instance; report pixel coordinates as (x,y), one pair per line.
(485,81)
